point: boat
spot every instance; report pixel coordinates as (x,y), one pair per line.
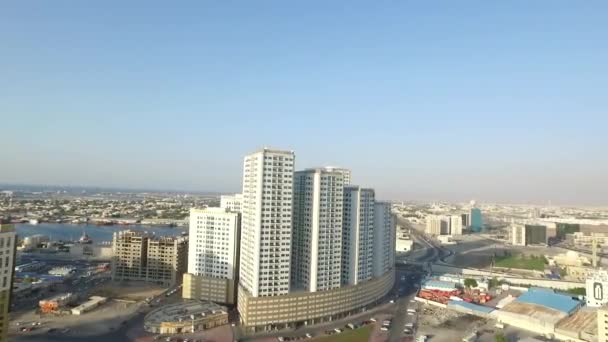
(85,239)
(34,221)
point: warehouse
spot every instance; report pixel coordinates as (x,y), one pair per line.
(538,310)
(89,305)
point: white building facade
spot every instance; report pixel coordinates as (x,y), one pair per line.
(518,234)
(212,255)
(232,202)
(435,225)
(597,289)
(266,225)
(384,239)
(213,242)
(455,222)
(317,232)
(358,235)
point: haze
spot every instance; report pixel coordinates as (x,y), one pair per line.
(497,101)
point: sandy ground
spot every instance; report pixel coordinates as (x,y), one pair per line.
(445,325)
(128,291)
(101,320)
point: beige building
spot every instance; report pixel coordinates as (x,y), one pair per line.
(185,317)
(141,257)
(437,225)
(7,265)
(579,273)
(167,260)
(602,324)
(306,308)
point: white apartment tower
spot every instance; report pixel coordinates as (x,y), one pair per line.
(346,174)
(212,255)
(384,239)
(232,202)
(435,225)
(358,235)
(455,225)
(317,232)
(518,234)
(266,223)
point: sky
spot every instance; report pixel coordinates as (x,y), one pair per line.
(498,101)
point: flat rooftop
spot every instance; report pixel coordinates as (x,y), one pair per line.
(584,320)
(537,312)
(183,311)
(549,299)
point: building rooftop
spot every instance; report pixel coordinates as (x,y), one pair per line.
(534,312)
(439,284)
(214,210)
(584,320)
(549,299)
(471,306)
(184,311)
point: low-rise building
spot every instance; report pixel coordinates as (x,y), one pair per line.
(92,303)
(538,310)
(404,245)
(579,273)
(186,317)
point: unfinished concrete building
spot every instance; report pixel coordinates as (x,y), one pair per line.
(139,256)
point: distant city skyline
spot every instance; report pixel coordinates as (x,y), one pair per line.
(496,101)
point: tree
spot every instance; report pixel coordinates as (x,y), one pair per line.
(470,283)
(500,338)
(492,283)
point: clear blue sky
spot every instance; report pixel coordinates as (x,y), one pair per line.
(493,100)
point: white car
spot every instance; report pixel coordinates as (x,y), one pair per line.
(384,328)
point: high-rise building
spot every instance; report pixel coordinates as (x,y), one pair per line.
(139,256)
(167,260)
(466,220)
(317,229)
(212,255)
(309,245)
(130,250)
(232,202)
(7,266)
(536,234)
(384,239)
(436,225)
(455,225)
(596,287)
(518,234)
(476,220)
(266,224)
(358,235)
(346,174)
